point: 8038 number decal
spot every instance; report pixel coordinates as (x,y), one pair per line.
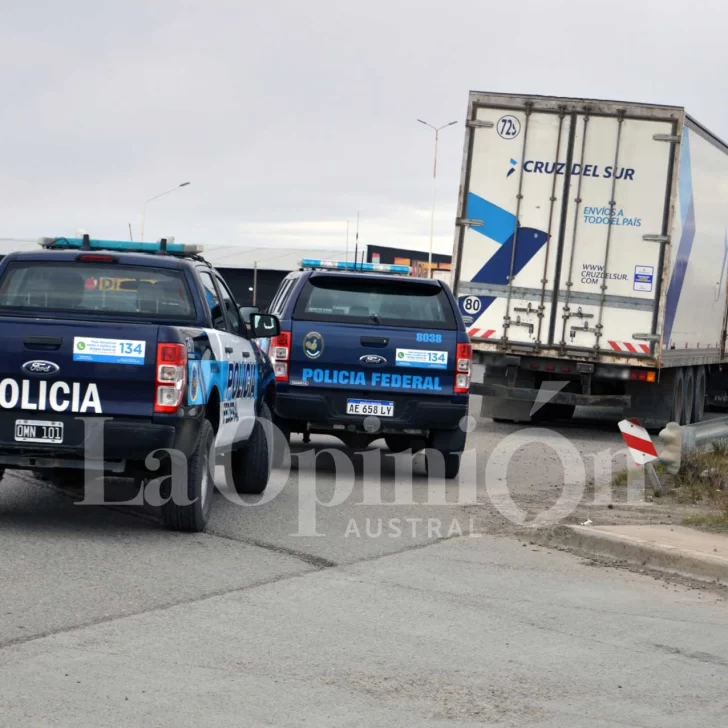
(430,338)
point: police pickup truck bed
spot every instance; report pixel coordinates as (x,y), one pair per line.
(111,355)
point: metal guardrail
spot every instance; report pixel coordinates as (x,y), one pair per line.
(703,434)
(677,441)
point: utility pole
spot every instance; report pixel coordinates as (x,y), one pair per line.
(437,131)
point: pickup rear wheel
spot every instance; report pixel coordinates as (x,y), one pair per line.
(400,443)
(449,445)
(251,465)
(177,513)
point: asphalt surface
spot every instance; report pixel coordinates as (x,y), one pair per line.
(442,618)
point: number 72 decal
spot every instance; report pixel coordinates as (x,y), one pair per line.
(508,127)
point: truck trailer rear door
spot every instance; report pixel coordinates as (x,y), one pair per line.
(555,205)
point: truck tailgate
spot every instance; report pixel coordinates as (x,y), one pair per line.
(51,368)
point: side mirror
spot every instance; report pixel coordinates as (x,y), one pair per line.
(264,325)
(247,311)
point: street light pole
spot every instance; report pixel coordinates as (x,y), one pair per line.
(144,208)
(437,131)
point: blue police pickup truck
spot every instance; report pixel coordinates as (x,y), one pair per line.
(147,338)
(361,345)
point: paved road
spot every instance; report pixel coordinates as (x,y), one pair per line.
(105,619)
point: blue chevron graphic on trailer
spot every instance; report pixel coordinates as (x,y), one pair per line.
(687,216)
(500,226)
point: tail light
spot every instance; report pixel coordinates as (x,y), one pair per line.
(642,375)
(280,349)
(171,377)
(463,362)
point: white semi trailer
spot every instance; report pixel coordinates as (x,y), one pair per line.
(590,257)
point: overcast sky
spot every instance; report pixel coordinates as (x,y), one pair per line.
(288,117)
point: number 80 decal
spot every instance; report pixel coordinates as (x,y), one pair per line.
(471,305)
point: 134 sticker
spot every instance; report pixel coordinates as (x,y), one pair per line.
(421,359)
(108,351)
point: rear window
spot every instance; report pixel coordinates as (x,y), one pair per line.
(50,287)
(395,302)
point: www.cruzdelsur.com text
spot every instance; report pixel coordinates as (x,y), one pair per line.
(483,476)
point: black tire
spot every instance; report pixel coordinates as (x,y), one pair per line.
(400,443)
(252,464)
(281,441)
(2,473)
(688,396)
(200,487)
(356,441)
(450,467)
(701,381)
(677,398)
(61,477)
(450,445)
(550,412)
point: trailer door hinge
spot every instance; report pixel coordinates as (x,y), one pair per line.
(656,238)
(672,138)
(646,337)
(468,222)
(476,124)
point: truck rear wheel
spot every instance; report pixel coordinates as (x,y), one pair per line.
(688,396)
(701,381)
(553,412)
(200,487)
(400,443)
(449,444)
(280,441)
(252,464)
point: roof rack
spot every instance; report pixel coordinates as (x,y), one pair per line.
(165,246)
(315,263)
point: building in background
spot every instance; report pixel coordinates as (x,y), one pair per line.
(418,260)
(254,273)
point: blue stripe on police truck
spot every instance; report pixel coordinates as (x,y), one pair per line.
(233,381)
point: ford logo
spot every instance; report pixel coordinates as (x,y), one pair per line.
(372,360)
(40,367)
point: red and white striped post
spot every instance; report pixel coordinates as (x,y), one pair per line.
(640,445)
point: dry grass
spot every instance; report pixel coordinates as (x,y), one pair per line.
(702,480)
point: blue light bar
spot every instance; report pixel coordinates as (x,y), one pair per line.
(360,267)
(123,246)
